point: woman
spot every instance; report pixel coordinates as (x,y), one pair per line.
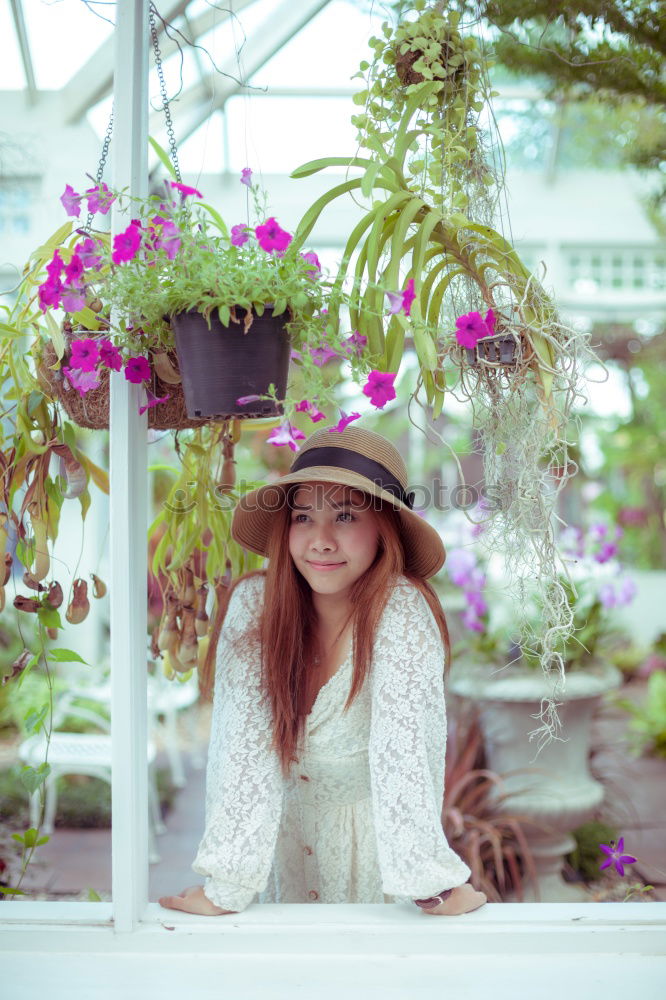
(326,763)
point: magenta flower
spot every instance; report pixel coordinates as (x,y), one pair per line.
(74,271)
(87,251)
(49,294)
(152,400)
(109,355)
(272,237)
(100,199)
(459,564)
(402,300)
(186,191)
(287,434)
(137,369)
(295,355)
(615,856)
(343,421)
(489,320)
(379,388)
(54,268)
(320,355)
(477,602)
(126,245)
(83,382)
(85,355)
(606,552)
(239,235)
(312,258)
(246,177)
(169,237)
(72,299)
(356,342)
(71,201)
(305,406)
(470,328)
(470,621)
(253,398)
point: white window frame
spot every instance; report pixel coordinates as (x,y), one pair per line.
(611,944)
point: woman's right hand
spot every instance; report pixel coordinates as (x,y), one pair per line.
(192,900)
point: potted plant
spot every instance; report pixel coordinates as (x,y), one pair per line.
(553,784)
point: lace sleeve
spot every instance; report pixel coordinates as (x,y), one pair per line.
(407,751)
(244,783)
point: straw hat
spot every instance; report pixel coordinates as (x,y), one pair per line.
(353,457)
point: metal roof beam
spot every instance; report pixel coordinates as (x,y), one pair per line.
(200,101)
(24,46)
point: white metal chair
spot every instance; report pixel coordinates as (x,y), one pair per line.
(83,753)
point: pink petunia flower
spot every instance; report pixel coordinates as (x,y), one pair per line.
(246,177)
(287,434)
(489,320)
(49,294)
(459,565)
(344,421)
(239,235)
(616,856)
(88,252)
(312,258)
(402,300)
(71,201)
(153,400)
(85,354)
(137,369)
(356,342)
(379,388)
(72,299)
(320,355)
(252,398)
(168,238)
(470,621)
(109,355)
(471,328)
(126,245)
(74,271)
(83,382)
(186,191)
(295,355)
(55,266)
(272,237)
(305,406)
(100,199)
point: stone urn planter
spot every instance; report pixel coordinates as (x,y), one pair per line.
(552,788)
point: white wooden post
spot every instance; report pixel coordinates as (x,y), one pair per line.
(128,510)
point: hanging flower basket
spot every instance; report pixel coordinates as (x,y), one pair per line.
(91,410)
(222,363)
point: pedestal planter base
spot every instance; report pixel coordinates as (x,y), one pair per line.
(220,364)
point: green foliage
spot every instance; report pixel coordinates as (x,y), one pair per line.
(647,728)
(586,856)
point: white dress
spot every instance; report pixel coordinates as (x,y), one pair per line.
(359,820)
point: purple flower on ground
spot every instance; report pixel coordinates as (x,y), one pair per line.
(379,388)
(272,237)
(126,244)
(470,621)
(72,299)
(109,355)
(459,564)
(100,199)
(606,552)
(137,369)
(287,434)
(305,406)
(83,382)
(343,421)
(470,328)
(153,400)
(239,235)
(616,856)
(627,590)
(476,602)
(246,177)
(71,201)
(185,191)
(85,355)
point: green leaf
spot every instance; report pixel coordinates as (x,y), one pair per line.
(217,219)
(34,719)
(314,166)
(163,157)
(49,618)
(32,777)
(369,179)
(66,656)
(225,315)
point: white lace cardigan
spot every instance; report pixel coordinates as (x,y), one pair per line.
(359,818)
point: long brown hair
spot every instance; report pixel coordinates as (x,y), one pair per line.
(287,627)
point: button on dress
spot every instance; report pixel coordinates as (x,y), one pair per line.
(359,818)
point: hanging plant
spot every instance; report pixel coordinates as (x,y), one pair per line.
(426,261)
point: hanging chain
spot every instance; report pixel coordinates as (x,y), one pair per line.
(163,92)
(100,168)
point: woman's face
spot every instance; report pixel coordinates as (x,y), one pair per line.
(335,526)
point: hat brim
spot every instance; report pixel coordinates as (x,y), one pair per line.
(253,517)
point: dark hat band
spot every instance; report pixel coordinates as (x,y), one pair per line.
(343,458)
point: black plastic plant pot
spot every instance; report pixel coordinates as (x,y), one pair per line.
(498,350)
(223,363)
